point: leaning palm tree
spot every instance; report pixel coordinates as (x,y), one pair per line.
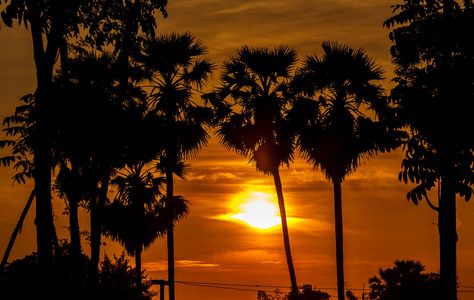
(178,68)
(334,132)
(255,80)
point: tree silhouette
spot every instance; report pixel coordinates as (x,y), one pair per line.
(307,293)
(334,132)
(88,152)
(433,51)
(116,278)
(404,281)
(255,80)
(136,218)
(177,66)
(50,24)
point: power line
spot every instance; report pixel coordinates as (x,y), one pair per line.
(256,287)
(224,286)
(228,286)
(235,284)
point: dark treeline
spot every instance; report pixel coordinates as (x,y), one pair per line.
(115,108)
(406,280)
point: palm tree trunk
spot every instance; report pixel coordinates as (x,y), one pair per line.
(97,210)
(138,270)
(17,229)
(170,234)
(448,238)
(286,237)
(339,238)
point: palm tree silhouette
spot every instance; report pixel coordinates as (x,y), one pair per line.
(87,157)
(255,80)
(334,132)
(177,67)
(136,218)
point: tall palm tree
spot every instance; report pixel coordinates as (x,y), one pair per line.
(255,80)
(177,66)
(334,132)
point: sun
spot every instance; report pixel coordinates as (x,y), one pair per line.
(259,212)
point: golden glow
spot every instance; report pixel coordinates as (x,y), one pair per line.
(259,214)
(258,210)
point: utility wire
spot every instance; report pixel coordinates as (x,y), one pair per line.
(227,287)
(222,287)
(252,287)
(258,285)
(236,284)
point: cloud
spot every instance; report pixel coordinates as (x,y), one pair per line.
(224,176)
(179,264)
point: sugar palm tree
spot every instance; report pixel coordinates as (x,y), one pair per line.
(334,132)
(254,80)
(89,152)
(137,217)
(178,68)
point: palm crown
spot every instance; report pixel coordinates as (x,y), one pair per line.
(256,79)
(339,133)
(177,67)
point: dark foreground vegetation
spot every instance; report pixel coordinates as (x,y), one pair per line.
(116,279)
(405,280)
(103,61)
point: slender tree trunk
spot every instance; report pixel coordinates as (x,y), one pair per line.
(170,234)
(44,58)
(138,270)
(75,244)
(17,229)
(339,238)
(286,237)
(447,204)
(448,238)
(97,211)
(42,177)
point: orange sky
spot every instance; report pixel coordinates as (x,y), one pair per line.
(379,224)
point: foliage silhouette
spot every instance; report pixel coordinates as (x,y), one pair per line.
(52,24)
(88,153)
(405,281)
(306,293)
(334,133)
(116,278)
(178,66)
(137,218)
(432,51)
(255,80)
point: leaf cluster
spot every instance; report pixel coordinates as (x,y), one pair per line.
(252,92)
(433,52)
(334,92)
(405,280)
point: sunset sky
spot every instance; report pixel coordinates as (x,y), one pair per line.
(213,244)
